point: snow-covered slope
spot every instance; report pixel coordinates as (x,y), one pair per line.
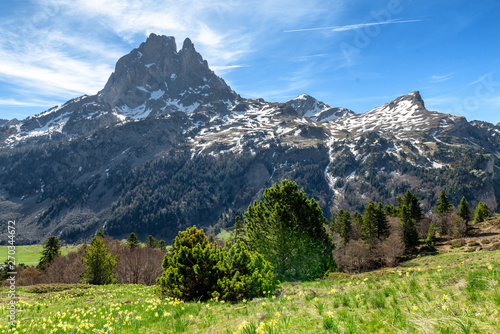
(405,115)
(308,106)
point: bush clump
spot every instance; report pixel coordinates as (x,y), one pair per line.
(200,270)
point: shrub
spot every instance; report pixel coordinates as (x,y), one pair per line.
(457,243)
(485,241)
(200,270)
(244,274)
(391,249)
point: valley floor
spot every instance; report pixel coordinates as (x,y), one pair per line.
(448,293)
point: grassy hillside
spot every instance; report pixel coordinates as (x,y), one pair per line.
(30,255)
(449,293)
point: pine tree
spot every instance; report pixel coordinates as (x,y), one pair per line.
(288,229)
(238,229)
(481,213)
(408,229)
(200,270)
(383,229)
(443,205)
(390,210)
(344,225)
(412,203)
(357,224)
(51,249)
(333,222)
(151,242)
(162,245)
(430,241)
(98,263)
(464,210)
(369,227)
(133,241)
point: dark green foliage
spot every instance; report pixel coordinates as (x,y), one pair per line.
(98,263)
(244,274)
(178,191)
(408,229)
(162,245)
(151,242)
(383,229)
(443,205)
(464,210)
(343,225)
(481,213)
(191,273)
(390,210)
(430,241)
(199,270)
(369,228)
(357,223)
(412,203)
(132,240)
(51,249)
(4,270)
(238,229)
(288,229)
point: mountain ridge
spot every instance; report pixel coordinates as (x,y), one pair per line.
(154,152)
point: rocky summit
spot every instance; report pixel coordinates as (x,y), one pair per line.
(167,144)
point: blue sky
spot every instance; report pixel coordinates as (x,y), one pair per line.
(346,53)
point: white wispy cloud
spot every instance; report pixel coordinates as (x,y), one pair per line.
(33,103)
(442,78)
(353,26)
(58,49)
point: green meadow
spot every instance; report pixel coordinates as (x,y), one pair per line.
(455,292)
(30,254)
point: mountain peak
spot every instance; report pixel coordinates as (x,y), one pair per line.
(187,45)
(158,78)
(416,98)
(308,106)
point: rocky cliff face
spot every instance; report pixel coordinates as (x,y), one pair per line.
(157,78)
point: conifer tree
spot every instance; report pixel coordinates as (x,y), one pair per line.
(132,240)
(412,203)
(162,245)
(98,263)
(238,229)
(464,210)
(151,242)
(51,249)
(443,205)
(408,229)
(430,241)
(344,225)
(357,224)
(383,229)
(288,229)
(200,270)
(333,222)
(369,227)
(481,213)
